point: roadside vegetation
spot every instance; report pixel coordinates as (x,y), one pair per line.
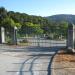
(29,25)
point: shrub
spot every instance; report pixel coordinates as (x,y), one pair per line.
(24,41)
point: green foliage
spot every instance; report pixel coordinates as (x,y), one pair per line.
(24,41)
(30,28)
(3,13)
(30,24)
(9,22)
(8,40)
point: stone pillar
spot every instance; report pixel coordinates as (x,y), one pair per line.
(14,35)
(2,35)
(71,37)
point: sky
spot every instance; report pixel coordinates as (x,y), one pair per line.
(40,7)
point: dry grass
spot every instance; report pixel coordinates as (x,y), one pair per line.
(64,56)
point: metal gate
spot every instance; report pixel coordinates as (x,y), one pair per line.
(54,37)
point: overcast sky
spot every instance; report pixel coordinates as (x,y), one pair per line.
(40,7)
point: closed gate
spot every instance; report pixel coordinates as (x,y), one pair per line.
(37,37)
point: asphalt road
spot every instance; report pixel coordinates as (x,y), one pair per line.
(31,60)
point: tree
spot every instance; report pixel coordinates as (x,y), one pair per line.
(8,22)
(31,24)
(3,12)
(30,28)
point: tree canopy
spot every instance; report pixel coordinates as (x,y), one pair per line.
(31,24)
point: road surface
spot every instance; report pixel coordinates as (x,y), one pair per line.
(31,60)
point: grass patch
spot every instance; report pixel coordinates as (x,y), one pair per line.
(23,44)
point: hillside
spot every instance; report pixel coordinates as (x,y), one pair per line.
(31,24)
(62,17)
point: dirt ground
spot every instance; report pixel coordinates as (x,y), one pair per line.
(64,63)
(65,56)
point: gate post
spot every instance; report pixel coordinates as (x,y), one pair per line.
(2,35)
(14,35)
(71,38)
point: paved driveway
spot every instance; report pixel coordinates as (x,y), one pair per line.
(30,60)
(26,60)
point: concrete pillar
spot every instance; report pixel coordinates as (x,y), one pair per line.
(71,37)
(2,35)
(14,35)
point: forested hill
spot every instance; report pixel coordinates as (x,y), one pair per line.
(31,24)
(62,17)
(36,24)
(21,18)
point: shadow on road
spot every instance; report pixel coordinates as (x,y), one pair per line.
(31,49)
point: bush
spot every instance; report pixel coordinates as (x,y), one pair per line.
(24,41)
(8,40)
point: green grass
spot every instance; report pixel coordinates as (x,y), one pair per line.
(24,44)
